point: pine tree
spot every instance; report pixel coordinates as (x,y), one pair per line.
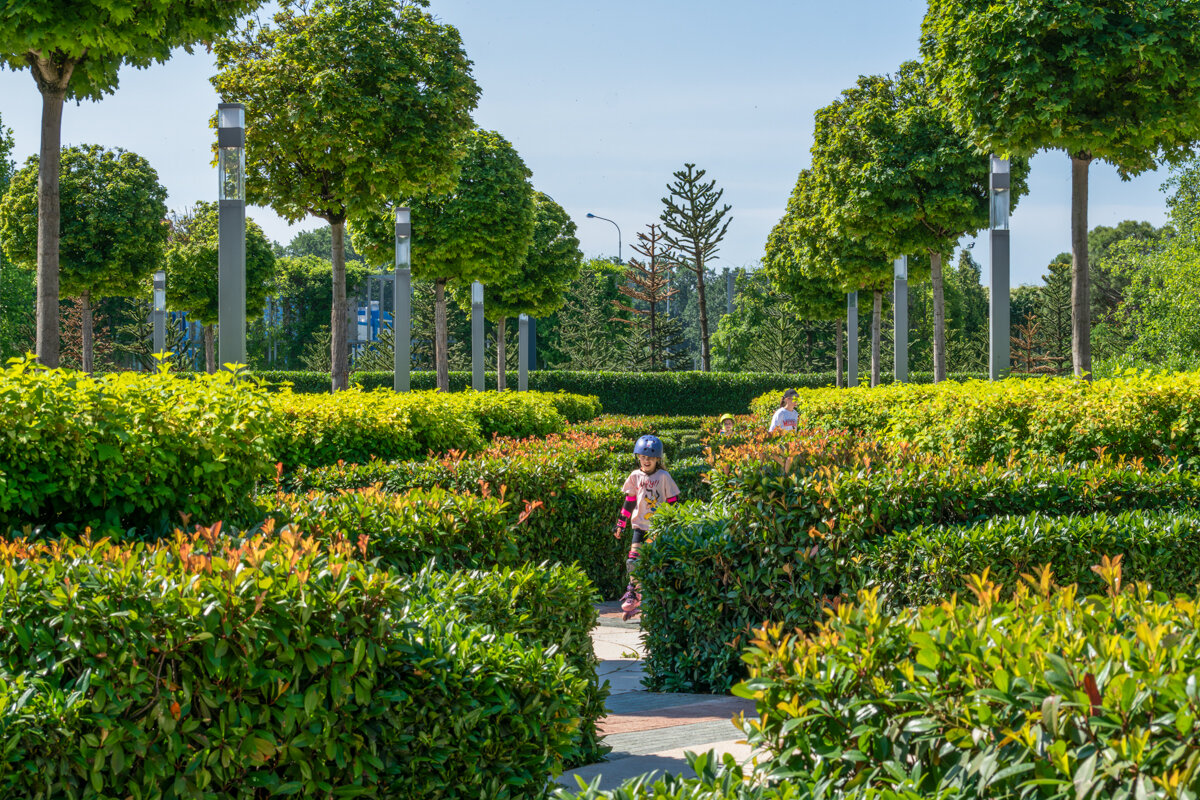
(654,336)
(583,336)
(1054,310)
(695,226)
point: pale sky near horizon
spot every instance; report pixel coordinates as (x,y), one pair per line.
(605,100)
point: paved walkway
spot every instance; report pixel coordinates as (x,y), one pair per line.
(649,731)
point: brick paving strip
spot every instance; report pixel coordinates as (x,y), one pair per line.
(651,731)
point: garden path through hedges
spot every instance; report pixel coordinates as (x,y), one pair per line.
(651,731)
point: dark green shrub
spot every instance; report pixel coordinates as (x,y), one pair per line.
(930,563)
(1043,695)
(563,528)
(409,530)
(38,728)
(1138,416)
(275,667)
(355,427)
(547,606)
(719,578)
(127,450)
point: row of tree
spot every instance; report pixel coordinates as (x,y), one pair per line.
(898,166)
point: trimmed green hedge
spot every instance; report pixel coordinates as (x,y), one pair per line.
(405,531)
(562,525)
(273,667)
(1139,416)
(1043,694)
(570,514)
(546,606)
(637,393)
(356,426)
(713,574)
(128,450)
(927,564)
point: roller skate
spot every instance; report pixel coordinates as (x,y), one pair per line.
(631,602)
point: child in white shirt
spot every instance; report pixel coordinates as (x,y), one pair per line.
(785,418)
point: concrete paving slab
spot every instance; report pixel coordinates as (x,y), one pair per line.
(612,773)
(695,736)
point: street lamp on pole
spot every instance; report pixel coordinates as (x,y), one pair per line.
(615,225)
(999,313)
(160,311)
(402,303)
(231,231)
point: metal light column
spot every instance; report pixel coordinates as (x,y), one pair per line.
(900,319)
(160,312)
(999,312)
(231,243)
(477,336)
(523,357)
(852,339)
(402,303)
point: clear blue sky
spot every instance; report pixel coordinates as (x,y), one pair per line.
(604,100)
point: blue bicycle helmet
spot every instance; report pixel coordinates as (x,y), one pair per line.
(648,446)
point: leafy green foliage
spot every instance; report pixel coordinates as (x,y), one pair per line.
(113,209)
(96,39)
(1138,416)
(357,426)
(1044,694)
(385,70)
(192,269)
(688,393)
(1112,81)
(405,531)
(127,450)
(274,665)
(545,606)
(931,563)
(791,520)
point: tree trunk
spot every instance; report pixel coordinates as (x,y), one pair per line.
(441,355)
(210,350)
(876,323)
(87,330)
(338,346)
(653,340)
(501,355)
(705,361)
(52,82)
(939,318)
(837,358)
(1081,322)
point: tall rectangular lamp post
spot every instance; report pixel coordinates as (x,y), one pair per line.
(160,311)
(999,315)
(231,242)
(852,339)
(900,319)
(523,354)
(477,336)
(402,303)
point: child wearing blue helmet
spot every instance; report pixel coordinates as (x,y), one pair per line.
(646,487)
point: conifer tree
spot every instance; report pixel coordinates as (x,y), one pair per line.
(583,340)
(695,227)
(649,283)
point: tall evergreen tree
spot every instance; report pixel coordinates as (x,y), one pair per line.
(585,338)
(1054,313)
(647,285)
(695,227)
